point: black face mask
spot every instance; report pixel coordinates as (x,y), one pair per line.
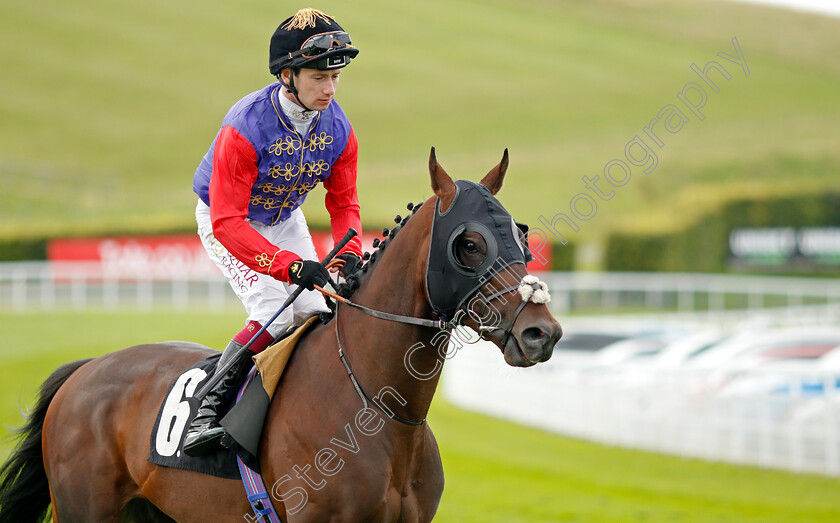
(450,283)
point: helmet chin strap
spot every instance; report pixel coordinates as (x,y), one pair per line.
(292,89)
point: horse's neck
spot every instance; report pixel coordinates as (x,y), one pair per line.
(384,353)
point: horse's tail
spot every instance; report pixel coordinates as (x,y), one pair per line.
(24,489)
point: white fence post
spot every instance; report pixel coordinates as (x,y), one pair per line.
(832,424)
(79,291)
(18,280)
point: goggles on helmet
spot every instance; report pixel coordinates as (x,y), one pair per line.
(319,44)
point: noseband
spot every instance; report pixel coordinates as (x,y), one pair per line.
(533,286)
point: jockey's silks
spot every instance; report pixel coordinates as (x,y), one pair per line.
(289,165)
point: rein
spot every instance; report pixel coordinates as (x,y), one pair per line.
(422,322)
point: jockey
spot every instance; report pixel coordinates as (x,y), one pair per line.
(273,147)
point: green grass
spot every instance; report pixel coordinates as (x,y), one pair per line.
(107,107)
(495,471)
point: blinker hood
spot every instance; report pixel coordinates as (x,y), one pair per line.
(449,283)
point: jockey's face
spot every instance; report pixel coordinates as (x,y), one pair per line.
(316,88)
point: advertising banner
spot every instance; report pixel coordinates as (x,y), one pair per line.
(177,254)
(785,248)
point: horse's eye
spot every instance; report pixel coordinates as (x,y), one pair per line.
(470,247)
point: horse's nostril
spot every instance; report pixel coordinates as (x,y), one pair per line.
(541,336)
(533,334)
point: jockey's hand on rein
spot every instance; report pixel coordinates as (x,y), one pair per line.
(352,263)
(308,273)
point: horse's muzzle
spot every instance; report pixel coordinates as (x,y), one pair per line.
(533,344)
(537,341)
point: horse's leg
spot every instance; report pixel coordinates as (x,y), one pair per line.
(424,491)
(86,431)
(193,497)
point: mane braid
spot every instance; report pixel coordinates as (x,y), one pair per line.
(307,18)
(354,281)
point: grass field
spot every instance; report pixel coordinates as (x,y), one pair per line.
(107,107)
(495,471)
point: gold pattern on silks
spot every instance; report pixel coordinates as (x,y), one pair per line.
(305,187)
(285,145)
(263,260)
(271,203)
(314,169)
(266,203)
(287,172)
(307,179)
(270,188)
(280,190)
(317,141)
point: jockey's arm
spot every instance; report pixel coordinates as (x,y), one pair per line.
(234,173)
(342,200)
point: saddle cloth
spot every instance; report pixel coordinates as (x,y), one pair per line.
(174,417)
(243,421)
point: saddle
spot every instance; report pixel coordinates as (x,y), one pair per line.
(243,421)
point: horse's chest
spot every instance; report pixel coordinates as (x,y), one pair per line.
(362,482)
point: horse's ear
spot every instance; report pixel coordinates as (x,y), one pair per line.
(442,184)
(496,176)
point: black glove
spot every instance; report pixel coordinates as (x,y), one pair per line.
(352,263)
(308,273)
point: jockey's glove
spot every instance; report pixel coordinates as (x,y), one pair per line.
(308,273)
(352,263)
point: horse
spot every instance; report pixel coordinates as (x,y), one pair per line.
(345,437)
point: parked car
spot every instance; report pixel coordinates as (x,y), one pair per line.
(591,349)
(718,367)
(749,347)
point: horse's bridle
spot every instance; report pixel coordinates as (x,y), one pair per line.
(451,286)
(440,324)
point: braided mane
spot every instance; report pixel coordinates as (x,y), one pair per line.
(352,282)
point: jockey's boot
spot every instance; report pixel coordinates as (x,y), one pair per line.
(205,433)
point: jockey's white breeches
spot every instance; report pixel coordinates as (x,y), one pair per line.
(261,294)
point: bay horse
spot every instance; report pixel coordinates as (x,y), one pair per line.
(336,445)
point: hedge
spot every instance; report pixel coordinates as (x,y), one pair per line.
(704,245)
(16,249)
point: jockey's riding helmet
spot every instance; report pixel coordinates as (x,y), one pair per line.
(309,39)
